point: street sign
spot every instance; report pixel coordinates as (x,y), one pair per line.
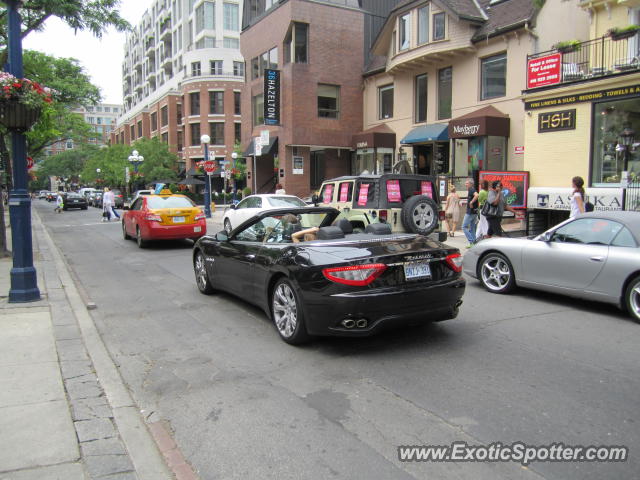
(209,167)
(258,149)
(264,137)
(212,155)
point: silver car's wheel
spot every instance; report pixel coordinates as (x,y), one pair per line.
(227,226)
(287,314)
(202,277)
(496,273)
(632,299)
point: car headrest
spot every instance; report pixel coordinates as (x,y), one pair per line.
(345,225)
(329,233)
(378,229)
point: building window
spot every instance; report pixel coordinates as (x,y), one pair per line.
(445,92)
(438,26)
(385,102)
(421,98)
(91,120)
(217,133)
(194,103)
(206,42)
(195,134)
(140,128)
(238,69)
(231,16)
(610,120)
(216,67)
(179,114)
(205,17)
(107,109)
(493,76)
(237,103)
(230,42)
(216,103)
(132,132)
(154,121)
(423,25)
(237,132)
(99,120)
(196,70)
(328,101)
(98,109)
(405,31)
(164,116)
(257,103)
(296,43)
(165,138)
(180,141)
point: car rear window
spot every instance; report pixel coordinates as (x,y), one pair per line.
(400,190)
(286,202)
(154,203)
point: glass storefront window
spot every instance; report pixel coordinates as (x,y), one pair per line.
(365,161)
(496,149)
(609,120)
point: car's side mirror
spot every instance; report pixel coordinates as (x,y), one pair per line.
(232,206)
(315,199)
(222,236)
(546,237)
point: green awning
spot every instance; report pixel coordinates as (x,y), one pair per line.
(434,132)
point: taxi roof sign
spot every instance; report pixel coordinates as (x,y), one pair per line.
(165,191)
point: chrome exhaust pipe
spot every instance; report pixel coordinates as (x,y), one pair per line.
(348,323)
(362,323)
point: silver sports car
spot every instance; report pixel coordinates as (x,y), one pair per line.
(593,256)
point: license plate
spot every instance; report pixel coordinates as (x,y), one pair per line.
(74,201)
(197,229)
(414,270)
(178,219)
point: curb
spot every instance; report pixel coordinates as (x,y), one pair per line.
(143,451)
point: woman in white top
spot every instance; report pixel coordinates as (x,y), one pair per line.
(280,190)
(577,198)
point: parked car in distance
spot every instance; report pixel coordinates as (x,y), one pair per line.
(594,256)
(409,203)
(42,194)
(95,199)
(254,204)
(51,196)
(118,198)
(87,191)
(341,283)
(163,217)
(138,193)
(74,200)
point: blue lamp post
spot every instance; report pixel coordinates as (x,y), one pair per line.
(234,156)
(24,283)
(205,139)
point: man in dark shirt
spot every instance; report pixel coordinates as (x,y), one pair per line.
(471,217)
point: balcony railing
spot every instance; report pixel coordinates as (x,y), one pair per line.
(596,58)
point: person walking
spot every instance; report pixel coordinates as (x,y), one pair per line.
(497,207)
(577,198)
(471,216)
(59,203)
(452,210)
(280,190)
(108,201)
(483,225)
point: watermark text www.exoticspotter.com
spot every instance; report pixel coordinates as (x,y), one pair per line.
(515,452)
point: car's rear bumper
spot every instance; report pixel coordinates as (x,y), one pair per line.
(155,231)
(382,308)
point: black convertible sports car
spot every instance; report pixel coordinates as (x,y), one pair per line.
(334,281)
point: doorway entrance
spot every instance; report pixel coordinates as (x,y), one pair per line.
(431,159)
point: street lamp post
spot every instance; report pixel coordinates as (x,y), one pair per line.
(627,138)
(205,139)
(24,282)
(136,160)
(234,156)
(97,174)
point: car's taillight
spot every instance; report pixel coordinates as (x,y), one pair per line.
(441,215)
(119,196)
(200,216)
(455,262)
(383,215)
(152,217)
(357,275)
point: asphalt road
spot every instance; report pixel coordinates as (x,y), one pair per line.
(528,367)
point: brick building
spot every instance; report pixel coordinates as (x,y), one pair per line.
(319,48)
(182,78)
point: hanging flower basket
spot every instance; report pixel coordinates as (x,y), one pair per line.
(622,33)
(15,115)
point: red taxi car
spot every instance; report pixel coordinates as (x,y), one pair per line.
(163,217)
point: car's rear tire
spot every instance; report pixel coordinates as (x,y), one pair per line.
(125,235)
(141,242)
(227,226)
(202,276)
(419,215)
(632,298)
(286,310)
(496,273)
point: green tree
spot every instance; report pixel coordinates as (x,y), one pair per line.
(159,163)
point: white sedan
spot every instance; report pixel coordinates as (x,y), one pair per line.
(254,204)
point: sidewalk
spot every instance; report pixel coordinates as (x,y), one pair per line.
(65,412)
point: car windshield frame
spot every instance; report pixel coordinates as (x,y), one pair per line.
(331,212)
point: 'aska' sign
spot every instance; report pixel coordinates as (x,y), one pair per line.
(271,97)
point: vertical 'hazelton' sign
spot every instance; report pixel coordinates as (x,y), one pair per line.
(271,97)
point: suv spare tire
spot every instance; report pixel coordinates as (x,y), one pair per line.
(419,215)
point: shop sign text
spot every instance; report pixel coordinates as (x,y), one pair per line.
(543,71)
(583,97)
(555,121)
(466,130)
(603,199)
